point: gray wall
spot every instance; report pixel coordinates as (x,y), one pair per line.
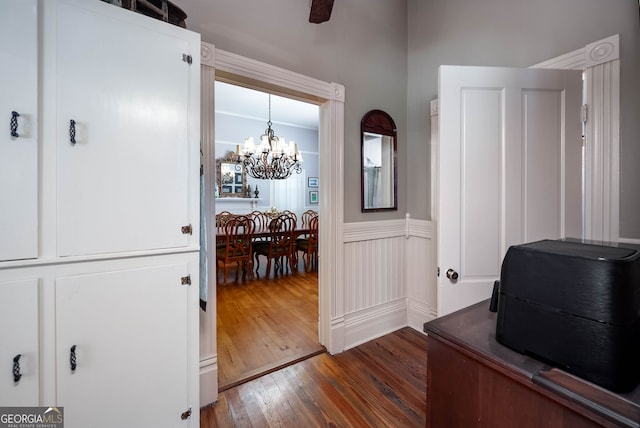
(518,33)
(387,52)
(363,46)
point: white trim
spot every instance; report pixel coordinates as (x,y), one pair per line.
(330,97)
(369,230)
(602,51)
(630,241)
(257,74)
(331,207)
(571,61)
(363,325)
(601,62)
(208,347)
(603,152)
(419,313)
(208,380)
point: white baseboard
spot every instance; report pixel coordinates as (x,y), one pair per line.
(419,313)
(208,381)
(629,240)
(368,324)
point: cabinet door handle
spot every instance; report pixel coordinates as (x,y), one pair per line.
(72,358)
(14,124)
(72,131)
(16,368)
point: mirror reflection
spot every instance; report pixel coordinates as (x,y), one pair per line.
(379,162)
(231,180)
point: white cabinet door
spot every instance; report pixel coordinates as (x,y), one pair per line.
(19,378)
(129,333)
(18,140)
(123,184)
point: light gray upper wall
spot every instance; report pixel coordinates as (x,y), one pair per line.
(232,130)
(363,46)
(518,33)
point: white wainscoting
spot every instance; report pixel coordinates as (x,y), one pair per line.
(422,267)
(389,278)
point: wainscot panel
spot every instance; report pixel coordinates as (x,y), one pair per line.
(389,271)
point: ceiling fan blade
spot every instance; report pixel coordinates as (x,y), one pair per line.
(320,11)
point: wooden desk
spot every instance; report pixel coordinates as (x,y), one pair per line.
(473,381)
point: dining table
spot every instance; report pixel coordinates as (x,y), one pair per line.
(260,234)
(265,232)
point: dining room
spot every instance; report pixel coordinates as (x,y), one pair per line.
(266,232)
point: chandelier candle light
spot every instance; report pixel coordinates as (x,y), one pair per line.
(272,159)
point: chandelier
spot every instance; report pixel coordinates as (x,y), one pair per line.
(272,159)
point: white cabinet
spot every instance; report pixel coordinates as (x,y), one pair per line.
(101,219)
(19,343)
(126,333)
(19,130)
(127,90)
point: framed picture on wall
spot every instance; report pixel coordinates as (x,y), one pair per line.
(313,181)
(313,197)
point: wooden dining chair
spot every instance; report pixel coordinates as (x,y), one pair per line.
(261,221)
(280,246)
(238,246)
(309,246)
(221,220)
(306,217)
(290,213)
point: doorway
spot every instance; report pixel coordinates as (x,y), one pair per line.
(217,64)
(265,323)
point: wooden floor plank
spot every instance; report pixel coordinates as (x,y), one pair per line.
(263,324)
(381,383)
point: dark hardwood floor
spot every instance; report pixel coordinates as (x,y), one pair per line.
(381,383)
(264,324)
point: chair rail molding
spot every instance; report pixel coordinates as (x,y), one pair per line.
(600,61)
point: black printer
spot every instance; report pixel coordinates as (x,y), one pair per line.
(576,305)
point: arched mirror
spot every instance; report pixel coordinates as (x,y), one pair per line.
(379,181)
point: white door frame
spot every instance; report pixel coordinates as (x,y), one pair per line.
(601,63)
(232,68)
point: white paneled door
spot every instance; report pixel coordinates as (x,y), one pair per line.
(509,171)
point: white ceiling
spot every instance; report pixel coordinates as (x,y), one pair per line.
(243,102)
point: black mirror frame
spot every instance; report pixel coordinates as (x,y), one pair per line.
(379,122)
